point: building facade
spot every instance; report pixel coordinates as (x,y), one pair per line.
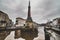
(56,22)
(20,22)
(4,20)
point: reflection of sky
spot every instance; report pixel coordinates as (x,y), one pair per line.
(40,35)
(11,37)
(41,9)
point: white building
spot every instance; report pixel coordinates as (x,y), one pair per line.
(56,22)
(20,22)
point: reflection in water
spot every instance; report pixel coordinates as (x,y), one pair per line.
(26,34)
(51,35)
(54,36)
(17,34)
(3,34)
(39,36)
(47,36)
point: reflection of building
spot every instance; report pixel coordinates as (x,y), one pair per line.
(29,35)
(17,34)
(3,34)
(47,35)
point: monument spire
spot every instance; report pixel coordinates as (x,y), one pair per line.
(29,12)
(29,7)
(29,21)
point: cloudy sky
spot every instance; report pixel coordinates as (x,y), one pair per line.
(41,10)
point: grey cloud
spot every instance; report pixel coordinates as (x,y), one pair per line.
(42,9)
(13,12)
(48,5)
